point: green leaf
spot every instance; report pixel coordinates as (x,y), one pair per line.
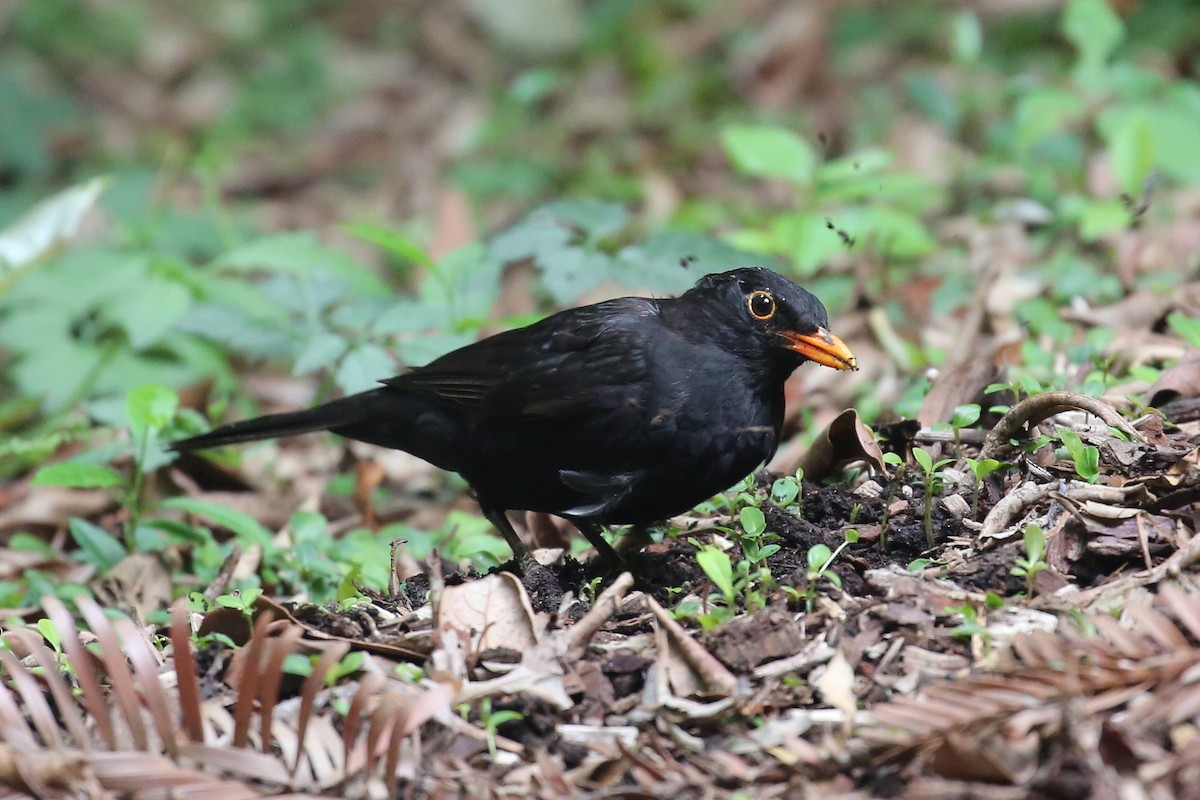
(149,408)
(152,311)
(1187,327)
(319,352)
(784,491)
(243,525)
(1101,217)
(1094,29)
(76,475)
(1035,543)
(964,415)
(753,521)
(767,151)
(984,467)
(966,37)
(100,548)
(1132,153)
(390,240)
(924,459)
(818,556)
(301,253)
(363,367)
(717,566)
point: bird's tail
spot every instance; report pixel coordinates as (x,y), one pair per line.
(339,413)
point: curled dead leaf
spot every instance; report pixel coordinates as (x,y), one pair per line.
(846,439)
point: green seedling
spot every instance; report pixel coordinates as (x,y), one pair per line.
(1085,456)
(718,566)
(1035,557)
(971,625)
(242,600)
(820,558)
(964,416)
(933,482)
(492,720)
(981,468)
(896,461)
(788,493)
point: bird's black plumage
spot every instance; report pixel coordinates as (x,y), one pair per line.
(626,411)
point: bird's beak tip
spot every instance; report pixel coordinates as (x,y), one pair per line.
(822,347)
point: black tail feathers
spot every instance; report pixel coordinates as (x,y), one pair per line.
(335,414)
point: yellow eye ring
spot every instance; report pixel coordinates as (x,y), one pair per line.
(761,305)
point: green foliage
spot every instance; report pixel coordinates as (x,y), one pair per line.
(765,151)
(1035,557)
(932,478)
(1085,457)
(980,469)
(820,558)
(1186,327)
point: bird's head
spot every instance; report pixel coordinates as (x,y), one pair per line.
(766,311)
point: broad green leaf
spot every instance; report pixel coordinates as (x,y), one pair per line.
(784,491)
(818,556)
(1132,153)
(301,253)
(319,352)
(363,368)
(390,240)
(597,219)
(768,151)
(1101,217)
(1185,326)
(753,521)
(151,311)
(100,548)
(922,457)
(809,240)
(1042,112)
(1095,30)
(149,408)
(717,566)
(964,415)
(76,475)
(243,525)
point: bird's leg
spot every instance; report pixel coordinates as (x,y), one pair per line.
(520,552)
(595,534)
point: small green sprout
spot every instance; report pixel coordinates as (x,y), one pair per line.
(981,468)
(1035,557)
(896,461)
(820,558)
(1085,456)
(932,479)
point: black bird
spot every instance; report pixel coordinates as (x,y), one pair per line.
(622,412)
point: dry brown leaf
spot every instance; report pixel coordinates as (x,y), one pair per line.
(494,611)
(1179,381)
(836,685)
(846,439)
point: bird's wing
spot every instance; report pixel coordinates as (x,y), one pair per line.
(572,362)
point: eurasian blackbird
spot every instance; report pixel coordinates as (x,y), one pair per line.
(623,412)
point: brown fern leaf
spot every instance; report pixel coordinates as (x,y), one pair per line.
(1130,684)
(118,718)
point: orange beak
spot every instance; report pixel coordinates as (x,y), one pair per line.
(822,347)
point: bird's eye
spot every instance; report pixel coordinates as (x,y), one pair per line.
(761,305)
